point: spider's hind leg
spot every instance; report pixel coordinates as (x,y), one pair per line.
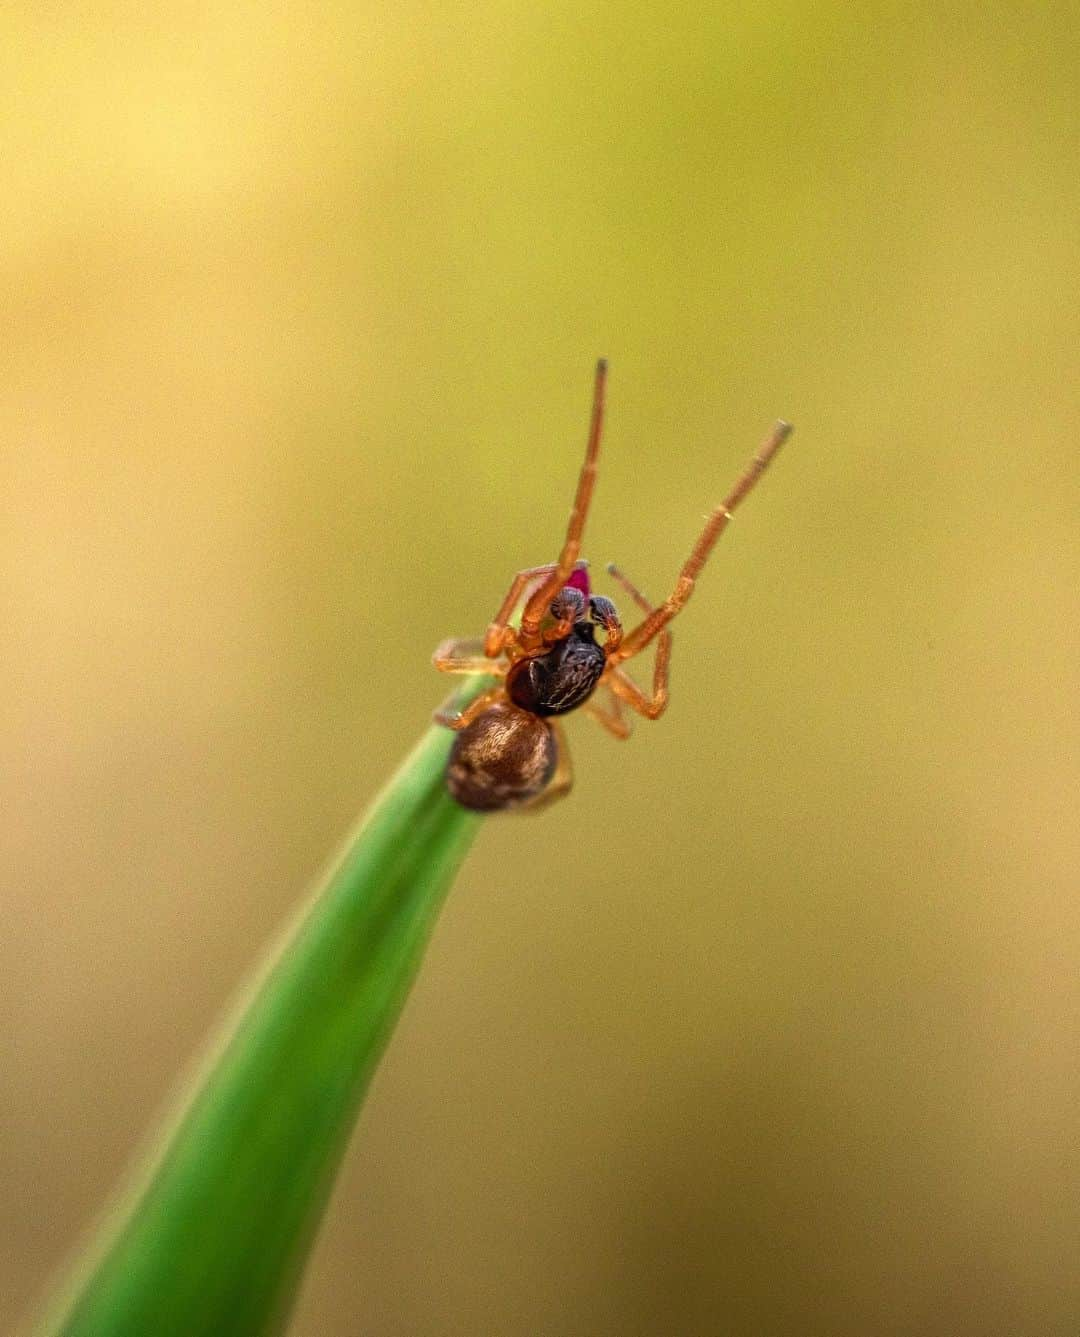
(466,655)
(460,719)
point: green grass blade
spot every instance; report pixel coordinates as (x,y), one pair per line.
(214,1239)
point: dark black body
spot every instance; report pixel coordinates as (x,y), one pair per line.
(562,679)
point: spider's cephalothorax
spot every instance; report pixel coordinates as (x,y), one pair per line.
(510,752)
(564,677)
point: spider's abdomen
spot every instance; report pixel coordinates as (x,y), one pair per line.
(505,757)
(561,680)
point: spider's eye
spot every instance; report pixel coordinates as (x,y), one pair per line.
(568,603)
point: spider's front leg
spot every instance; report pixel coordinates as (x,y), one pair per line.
(501,636)
(658,618)
(537,606)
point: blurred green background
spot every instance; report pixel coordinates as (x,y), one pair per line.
(773,1027)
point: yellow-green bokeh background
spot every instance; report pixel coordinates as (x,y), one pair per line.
(774,1027)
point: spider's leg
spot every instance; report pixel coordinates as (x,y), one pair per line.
(461,719)
(537,606)
(466,656)
(500,635)
(717,522)
(617,574)
(609,714)
(627,689)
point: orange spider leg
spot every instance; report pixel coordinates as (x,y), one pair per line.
(467,656)
(609,716)
(501,637)
(475,707)
(537,606)
(624,580)
(654,623)
(627,689)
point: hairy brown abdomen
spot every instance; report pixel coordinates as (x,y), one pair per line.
(505,757)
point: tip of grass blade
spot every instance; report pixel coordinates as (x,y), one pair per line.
(214,1236)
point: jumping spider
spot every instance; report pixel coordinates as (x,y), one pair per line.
(510,752)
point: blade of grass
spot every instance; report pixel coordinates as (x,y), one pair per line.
(214,1238)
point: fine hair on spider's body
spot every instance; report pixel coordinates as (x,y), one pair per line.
(510,751)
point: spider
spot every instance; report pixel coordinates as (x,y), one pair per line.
(510,752)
